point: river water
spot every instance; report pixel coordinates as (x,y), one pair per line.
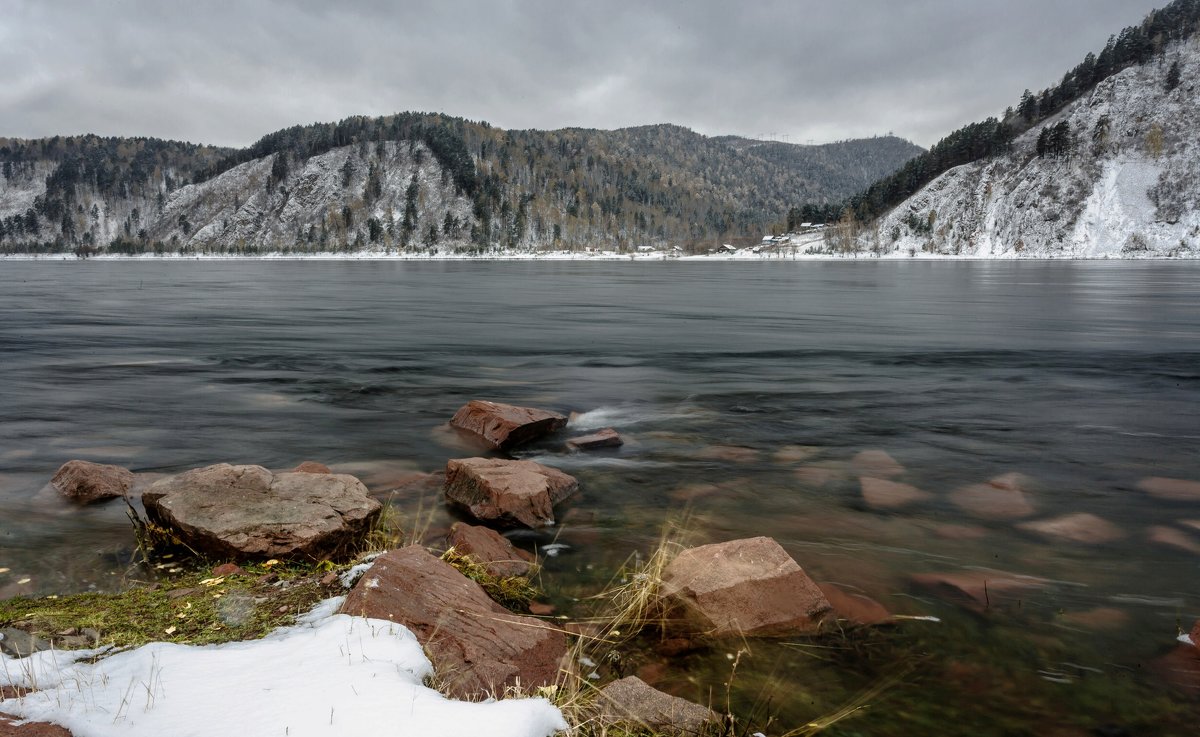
(744,390)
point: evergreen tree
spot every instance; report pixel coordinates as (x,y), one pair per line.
(1173,75)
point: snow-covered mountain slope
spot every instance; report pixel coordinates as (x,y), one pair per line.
(1128,187)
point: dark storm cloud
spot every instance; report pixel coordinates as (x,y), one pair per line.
(228,72)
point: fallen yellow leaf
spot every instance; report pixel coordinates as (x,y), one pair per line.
(270,563)
(24,580)
(212,581)
(4,570)
(170,630)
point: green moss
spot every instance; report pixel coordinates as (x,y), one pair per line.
(512,592)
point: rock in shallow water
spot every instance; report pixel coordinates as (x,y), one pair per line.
(477,647)
(746,587)
(631,701)
(1172,490)
(882,494)
(1077,528)
(504,426)
(490,549)
(979,590)
(86,482)
(246,512)
(1002,498)
(506,492)
(606,438)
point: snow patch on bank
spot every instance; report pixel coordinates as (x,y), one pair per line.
(331,674)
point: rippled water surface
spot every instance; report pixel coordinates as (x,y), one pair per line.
(1082,377)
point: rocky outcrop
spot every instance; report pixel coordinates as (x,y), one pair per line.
(606,438)
(86,482)
(507,493)
(631,702)
(505,426)
(746,587)
(242,512)
(490,549)
(477,647)
(1084,528)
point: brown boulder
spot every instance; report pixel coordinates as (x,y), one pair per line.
(504,426)
(490,549)
(1002,498)
(312,467)
(505,492)
(477,647)
(606,438)
(979,590)
(241,512)
(1171,490)
(854,608)
(632,702)
(746,587)
(881,494)
(86,482)
(1077,528)
(876,463)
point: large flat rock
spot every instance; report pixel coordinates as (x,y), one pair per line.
(504,426)
(507,493)
(244,512)
(748,587)
(477,647)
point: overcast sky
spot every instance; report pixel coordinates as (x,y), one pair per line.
(820,70)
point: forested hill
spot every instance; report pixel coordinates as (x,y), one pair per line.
(417,181)
(1133,46)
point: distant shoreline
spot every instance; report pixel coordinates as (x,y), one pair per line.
(571,256)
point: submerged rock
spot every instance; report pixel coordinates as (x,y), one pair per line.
(876,463)
(1100,619)
(1078,528)
(312,467)
(606,438)
(729,454)
(979,590)
(854,607)
(86,482)
(504,426)
(507,492)
(748,587)
(241,512)
(796,453)
(1172,538)
(1172,490)
(882,494)
(1002,498)
(490,549)
(632,702)
(477,647)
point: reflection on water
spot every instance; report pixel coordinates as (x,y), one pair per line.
(745,393)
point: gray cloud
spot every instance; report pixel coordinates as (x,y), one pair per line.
(229,72)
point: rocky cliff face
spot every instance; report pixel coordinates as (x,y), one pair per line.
(1127,184)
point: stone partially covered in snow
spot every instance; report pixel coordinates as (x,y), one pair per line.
(1171,490)
(490,549)
(606,438)
(11,726)
(242,512)
(506,492)
(979,590)
(504,426)
(1078,528)
(478,648)
(748,587)
(882,494)
(1002,498)
(86,482)
(632,702)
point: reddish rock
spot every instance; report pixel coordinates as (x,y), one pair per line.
(245,512)
(312,467)
(11,726)
(728,454)
(1172,490)
(1100,619)
(1195,634)
(631,701)
(540,609)
(606,438)
(796,453)
(504,426)
(1180,668)
(960,532)
(505,492)
(490,549)
(817,475)
(1077,528)
(330,579)
(86,482)
(746,587)
(228,569)
(881,494)
(477,647)
(979,590)
(853,607)
(876,463)
(1002,498)
(1172,538)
